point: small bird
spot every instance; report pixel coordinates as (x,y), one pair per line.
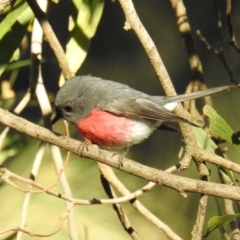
(112,114)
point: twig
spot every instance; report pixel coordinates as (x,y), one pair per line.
(198,227)
(135,23)
(6,175)
(117,207)
(233,41)
(185,31)
(219,53)
(17,110)
(61,169)
(26,200)
(228,206)
(51,38)
(57,157)
(24,230)
(4,4)
(197,231)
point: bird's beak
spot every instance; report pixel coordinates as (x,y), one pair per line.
(56,118)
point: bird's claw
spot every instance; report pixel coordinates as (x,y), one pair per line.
(84,145)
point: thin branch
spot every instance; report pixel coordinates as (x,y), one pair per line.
(228,206)
(6,175)
(185,31)
(17,110)
(197,231)
(118,208)
(27,196)
(198,227)
(4,4)
(51,38)
(195,64)
(233,41)
(24,230)
(61,169)
(135,23)
(57,157)
(219,53)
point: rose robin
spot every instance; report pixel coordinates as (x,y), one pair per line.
(112,114)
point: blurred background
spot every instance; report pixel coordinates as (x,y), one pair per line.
(117,55)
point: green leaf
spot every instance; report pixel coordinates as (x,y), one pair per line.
(83,23)
(218,221)
(21,64)
(13,27)
(227,176)
(203,140)
(219,127)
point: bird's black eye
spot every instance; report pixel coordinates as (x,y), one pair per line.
(68,109)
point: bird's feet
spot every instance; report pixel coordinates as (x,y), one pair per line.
(121,156)
(84,145)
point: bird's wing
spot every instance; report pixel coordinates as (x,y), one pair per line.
(142,108)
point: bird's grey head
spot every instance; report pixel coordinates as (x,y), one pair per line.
(71,102)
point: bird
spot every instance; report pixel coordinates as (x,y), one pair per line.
(114,115)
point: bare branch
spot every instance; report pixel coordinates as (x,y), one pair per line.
(233,41)
(185,31)
(4,4)
(117,207)
(198,227)
(178,183)
(24,230)
(51,38)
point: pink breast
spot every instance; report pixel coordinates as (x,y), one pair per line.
(105,129)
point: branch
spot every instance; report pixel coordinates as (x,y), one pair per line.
(181,184)
(51,38)
(4,4)
(49,234)
(135,23)
(118,208)
(185,31)
(233,41)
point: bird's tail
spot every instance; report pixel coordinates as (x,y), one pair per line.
(199,94)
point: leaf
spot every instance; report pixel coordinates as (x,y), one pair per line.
(227,176)
(21,64)
(203,140)
(218,221)
(84,20)
(13,27)
(219,127)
